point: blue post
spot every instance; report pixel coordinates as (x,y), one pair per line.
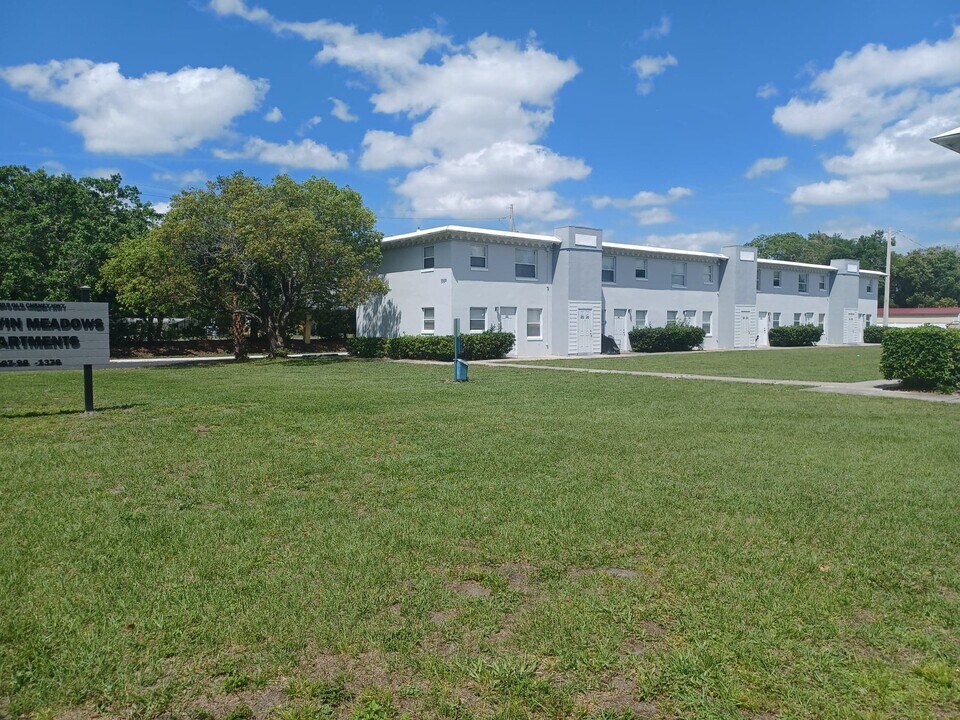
(459,366)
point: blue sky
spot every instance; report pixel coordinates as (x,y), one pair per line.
(692,124)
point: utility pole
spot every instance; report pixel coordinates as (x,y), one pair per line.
(513,228)
(886,281)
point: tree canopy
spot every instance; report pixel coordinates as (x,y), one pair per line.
(820,248)
(270,252)
(56,231)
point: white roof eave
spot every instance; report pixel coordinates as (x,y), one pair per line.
(788,263)
(470,232)
(654,250)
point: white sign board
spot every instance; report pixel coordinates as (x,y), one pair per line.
(747,255)
(53,335)
(585,240)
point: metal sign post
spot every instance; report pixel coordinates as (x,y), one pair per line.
(87,369)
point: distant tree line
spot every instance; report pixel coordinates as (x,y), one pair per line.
(926,277)
(233,252)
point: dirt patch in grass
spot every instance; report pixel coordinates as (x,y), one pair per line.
(439,617)
(517,575)
(618,695)
(617,572)
(470,588)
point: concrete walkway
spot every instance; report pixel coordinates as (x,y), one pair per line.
(202,359)
(869,388)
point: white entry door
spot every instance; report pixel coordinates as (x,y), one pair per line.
(507,320)
(763,330)
(585,331)
(620,328)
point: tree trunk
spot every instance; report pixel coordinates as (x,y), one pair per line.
(238,329)
(274,337)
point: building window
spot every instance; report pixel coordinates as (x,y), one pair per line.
(641,271)
(808,319)
(707,323)
(478,257)
(776,319)
(640,318)
(869,286)
(534,325)
(823,282)
(526,263)
(671,317)
(429,320)
(802,282)
(478,319)
(690,317)
(820,318)
(758,280)
(796,318)
(428,257)
(609,273)
(869,319)
(679,276)
(708,274)
(776,278)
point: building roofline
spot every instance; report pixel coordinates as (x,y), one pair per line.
(789,263)
(875,273)
(654,250)
(463,230)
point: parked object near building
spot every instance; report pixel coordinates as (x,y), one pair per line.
(559,294)
(915,317)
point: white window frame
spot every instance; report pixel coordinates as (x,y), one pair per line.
(820,319)
(869,285)
(431,319)
(517,264)
(690,317)
(777,278)
(612,261)
(637,314)
(758,280)
(823,282)
(797,318)
(706,322)
(682,275)
(803,282)
(708,274)
(808,318)
(482,320)
(640,273)
(776,320)
(478,257)
(538,323)
(672,317)
(429,260)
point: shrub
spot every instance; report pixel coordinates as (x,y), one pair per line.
(367,347)
(925,357)
(873,333)
(483,346)
(666,339)
(795,335)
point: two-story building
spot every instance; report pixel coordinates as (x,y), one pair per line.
(559,293)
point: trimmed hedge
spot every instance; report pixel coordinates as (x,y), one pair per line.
(795,335)
(925,357)
(671,338)
(482,346)
(873,334)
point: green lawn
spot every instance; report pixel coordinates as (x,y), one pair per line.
(364,539)
(831,364)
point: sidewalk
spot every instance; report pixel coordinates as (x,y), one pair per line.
(199,360)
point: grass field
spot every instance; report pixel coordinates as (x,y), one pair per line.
(831,364)
(311,539)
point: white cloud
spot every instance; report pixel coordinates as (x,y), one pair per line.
(310,124)
(848,227)
(767,91)
(274,115)
(341,111)
(477,112)
(54,168)
(648,67)
(483,183)
(161,207)
(887,104)
(765,165)
(644,198)
(706,240)
(655,216)
(661,29)
(157,113)
(303,154)
(955,225)
(102,172)
(187,177)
